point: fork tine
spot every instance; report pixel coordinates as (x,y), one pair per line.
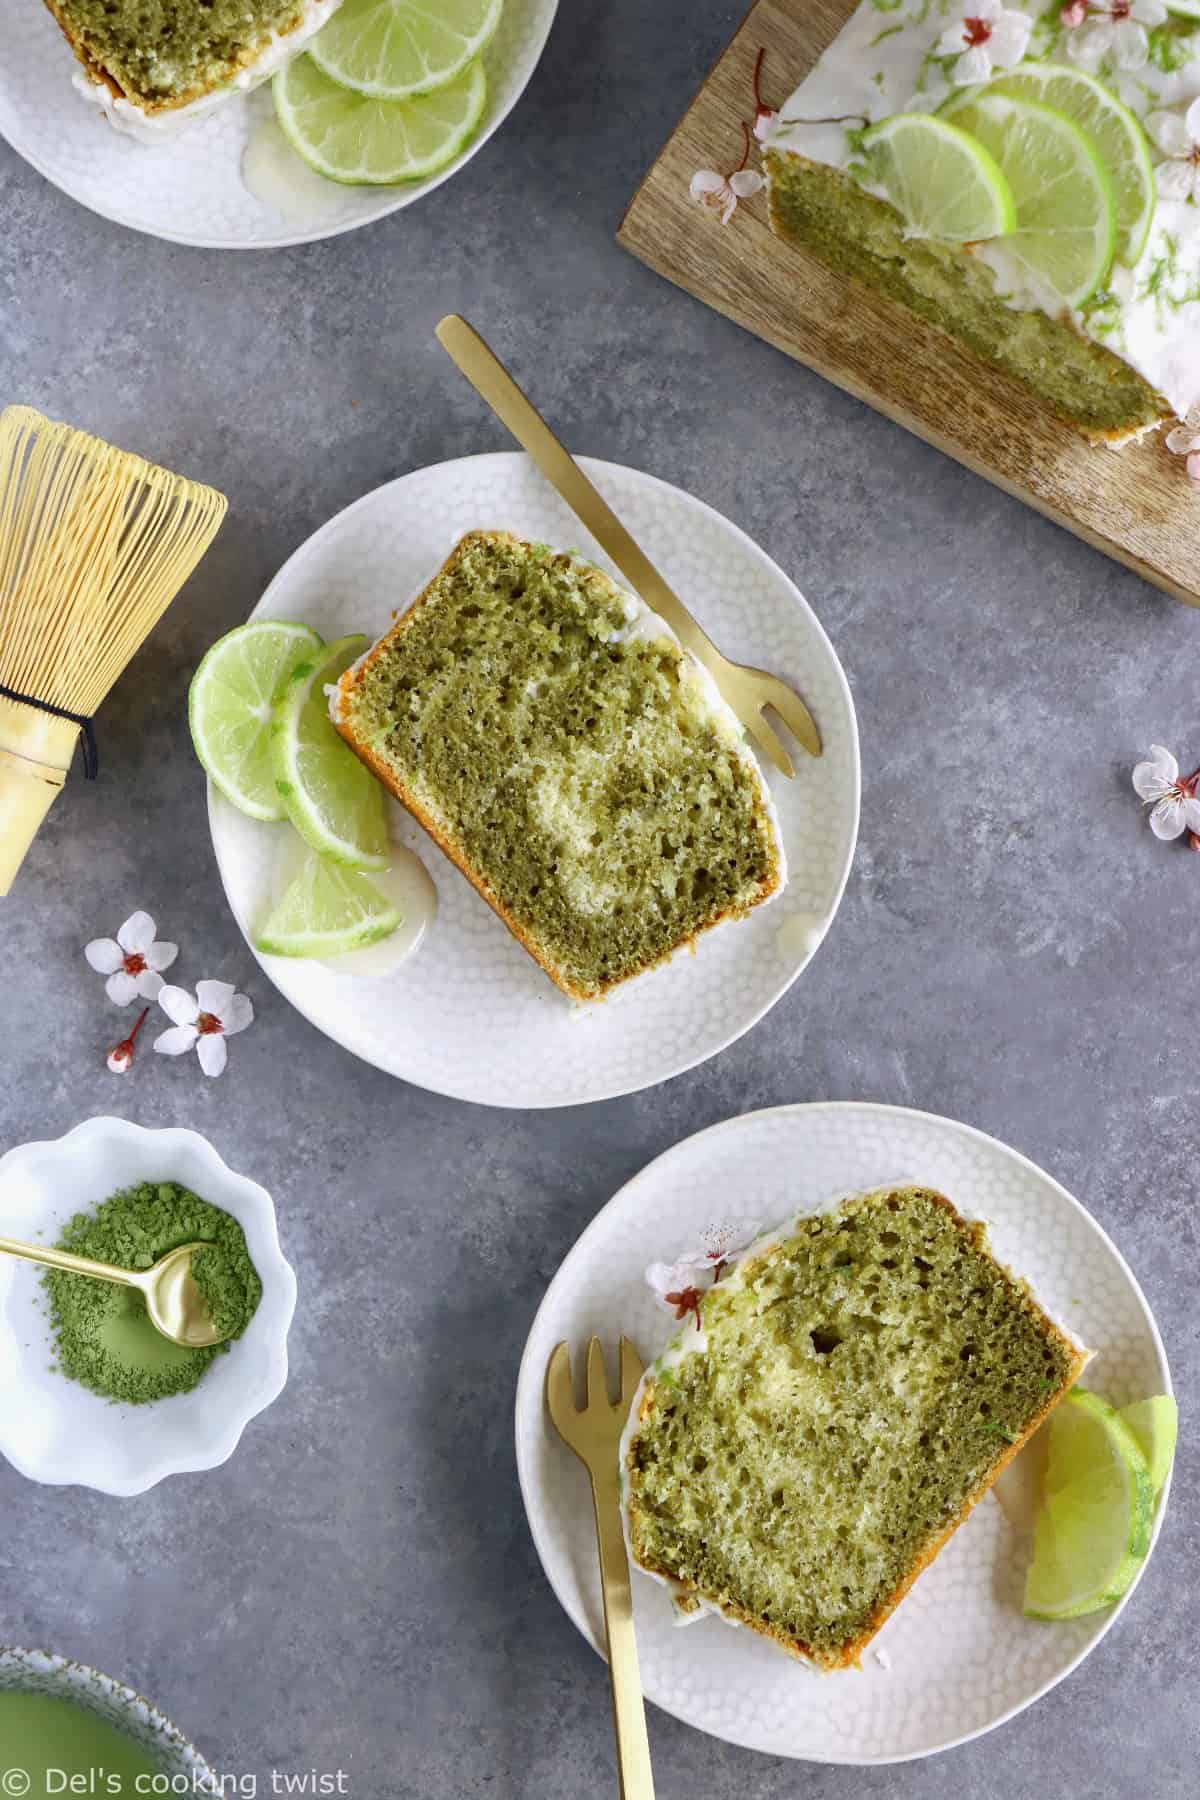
(560,1393)
(597,1376)
(631,1373)
(769,744)
(796,717)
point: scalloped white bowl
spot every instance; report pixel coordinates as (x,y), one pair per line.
(54,1430)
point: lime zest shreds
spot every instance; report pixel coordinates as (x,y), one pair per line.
(231,706)
(941,182)
(331,798)
(1066,231)
(1114,133)
(327,910)
(351,138)
(398,49)
(1094,1528)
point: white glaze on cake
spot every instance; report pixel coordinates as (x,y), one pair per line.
(883,62)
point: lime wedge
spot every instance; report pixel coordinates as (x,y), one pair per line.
(352,138)
(1112,129)
(393,49)
(231,703)
(334,802)
(1093,1531)
(327,910)
(1155,1425)
(941,182)
(1066,230)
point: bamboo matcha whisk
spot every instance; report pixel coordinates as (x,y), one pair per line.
(94,546)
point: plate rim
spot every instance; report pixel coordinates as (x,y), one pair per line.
(528,1378)
(593,1095)
(290,240)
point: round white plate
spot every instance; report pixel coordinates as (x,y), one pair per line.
(471,1014)
(957,1657)
(192,188)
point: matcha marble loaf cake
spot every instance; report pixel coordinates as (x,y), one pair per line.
(577,765)
(840,1400)
(149,57)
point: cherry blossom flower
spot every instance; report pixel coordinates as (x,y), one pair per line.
(1178,137)
(682,1284)
(1171,797)
(204,1019)
(990,36)
(1184,441)
(1115,28)
(120,1056)
(133,961)
(720,192)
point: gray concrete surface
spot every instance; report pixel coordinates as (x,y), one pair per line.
(1015,950)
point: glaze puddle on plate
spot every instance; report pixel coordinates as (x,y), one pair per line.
(277,175)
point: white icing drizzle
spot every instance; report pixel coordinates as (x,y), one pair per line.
(882,63)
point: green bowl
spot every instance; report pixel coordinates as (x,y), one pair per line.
(40,1672)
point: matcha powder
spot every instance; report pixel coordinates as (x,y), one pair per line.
(103,1333)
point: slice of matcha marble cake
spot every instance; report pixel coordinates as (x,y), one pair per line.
(830,1413)
(564,750)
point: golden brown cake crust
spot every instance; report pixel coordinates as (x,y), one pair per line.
(454,851)
(850,1655)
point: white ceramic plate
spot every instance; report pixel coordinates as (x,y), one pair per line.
(472,1015)
(957,1657)
(193,188)
(54,1430)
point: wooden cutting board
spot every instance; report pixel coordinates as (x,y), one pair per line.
(1135,503)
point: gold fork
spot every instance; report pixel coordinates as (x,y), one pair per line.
(746,690)
(594,1435)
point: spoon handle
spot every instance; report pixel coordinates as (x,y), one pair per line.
(75,1265)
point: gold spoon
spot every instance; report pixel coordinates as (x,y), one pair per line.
(173,1300)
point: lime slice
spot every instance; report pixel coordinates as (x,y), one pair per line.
(334,802)
(1093,1531)
(1111,128)
(1155,1425)
(1066,230)
(326,911)
(352,138)
(941,182)
(230,707)
(393,49)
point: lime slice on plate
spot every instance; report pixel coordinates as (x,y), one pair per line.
(1155,1425)
(1093,1530)
(352,138)
(1066,230)
(941,182)
(393,49)
(1112,129)
(326,911)
(231,704)
(334,802)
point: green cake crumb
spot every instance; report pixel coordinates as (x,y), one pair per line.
(161,51)
(586,776)
(858,1383)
